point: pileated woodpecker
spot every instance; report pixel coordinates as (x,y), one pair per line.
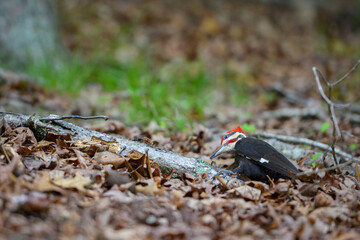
(254,158)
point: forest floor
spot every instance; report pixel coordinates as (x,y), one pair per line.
(54,188)
(58,188)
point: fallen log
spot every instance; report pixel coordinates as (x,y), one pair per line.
(167,160)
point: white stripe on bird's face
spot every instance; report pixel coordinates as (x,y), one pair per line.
(228,142)
(231,139)
(263,160)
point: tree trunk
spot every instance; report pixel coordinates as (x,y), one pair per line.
(29,31)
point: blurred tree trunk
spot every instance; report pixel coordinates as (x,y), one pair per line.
(29,31)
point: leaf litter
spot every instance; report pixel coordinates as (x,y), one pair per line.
(106,195)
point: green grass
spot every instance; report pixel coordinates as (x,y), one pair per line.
(248,127)
(314,159)
(65,76)
(353,146)
(173,95)
(324,127)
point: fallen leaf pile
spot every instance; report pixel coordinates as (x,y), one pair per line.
(59,188)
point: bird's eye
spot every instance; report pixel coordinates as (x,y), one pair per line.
(225,137)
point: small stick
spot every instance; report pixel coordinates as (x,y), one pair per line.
(148,165)
(357,174)
(324,169)
(5,153)
(169,176)
(49,119)
(332,105)
(271,181)
(306,141)
(133,172)
(346,75)
(222,181)
(135,169)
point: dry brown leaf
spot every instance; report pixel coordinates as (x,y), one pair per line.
(151,188)
(43,183)
(111,126)
(42,156)
(78,182)
(81,159)
(24,137)
(95,145)
(45,144)
(331,213)
(245,191)
(322,200)
(282,187)
(135,155)
(6,172)
(109,158)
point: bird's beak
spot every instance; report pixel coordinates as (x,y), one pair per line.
(218,151)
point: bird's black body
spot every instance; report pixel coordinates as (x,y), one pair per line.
(257,159)
(254,158)
(251,170)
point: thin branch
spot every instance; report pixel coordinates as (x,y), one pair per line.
(306,141)
(5,153)
(323,78)
(222,181)
(325,169)
(49,119)
(292,112)
(321,90)
(334,120)
(346,75)
(332,105)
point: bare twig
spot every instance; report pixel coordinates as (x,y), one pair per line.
(328,101)
(332,105)
(325,169)
(306,141)
(48,119)
(292,112)
(222,181)
(321,90)
(5,153)
(148,165)
(346,75)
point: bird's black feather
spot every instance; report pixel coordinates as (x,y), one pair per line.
(257,150)
(253,171)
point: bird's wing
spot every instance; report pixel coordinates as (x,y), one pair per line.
(265,155)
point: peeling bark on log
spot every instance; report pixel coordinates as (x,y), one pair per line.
(165,159)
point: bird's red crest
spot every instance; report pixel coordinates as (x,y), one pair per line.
(238,129)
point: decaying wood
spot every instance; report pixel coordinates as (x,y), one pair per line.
(166,159)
